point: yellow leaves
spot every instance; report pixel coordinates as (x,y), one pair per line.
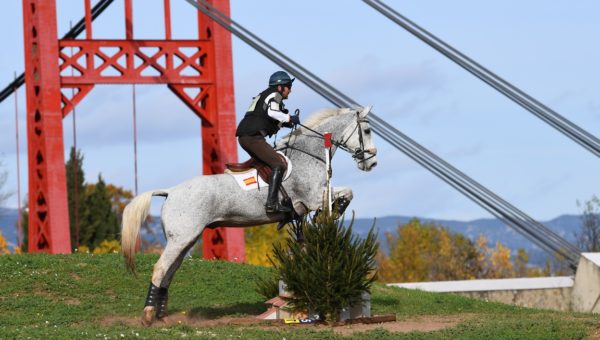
(105,247)
(108,247)
(426,252)
(83,250)
(501,266)
(259,243)
(3,245)
(119,197)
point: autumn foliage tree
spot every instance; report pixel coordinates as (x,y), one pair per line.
(260,241)
(3,245)
(427,252)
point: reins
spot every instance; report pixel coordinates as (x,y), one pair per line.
(358,153)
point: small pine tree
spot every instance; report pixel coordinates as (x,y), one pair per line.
(75,193)
(330,270)
(100,220)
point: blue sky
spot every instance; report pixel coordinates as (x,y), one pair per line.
(548,49)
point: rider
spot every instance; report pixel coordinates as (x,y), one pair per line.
(265,116)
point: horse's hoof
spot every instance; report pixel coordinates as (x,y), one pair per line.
(148,317)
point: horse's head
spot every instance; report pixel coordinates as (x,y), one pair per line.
(359,142)
(351,133)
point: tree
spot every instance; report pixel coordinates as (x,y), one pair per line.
(3,177)
(426,252)
(97,208)
(3,245)
(588,238)
(119,198)
(521,263)
(500,263)
(330,270)
(24,225)
(75,194)
(260,241)
(99,221)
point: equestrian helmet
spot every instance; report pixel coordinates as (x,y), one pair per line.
(280,78)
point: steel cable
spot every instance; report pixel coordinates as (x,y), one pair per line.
(568,128)
(507,213)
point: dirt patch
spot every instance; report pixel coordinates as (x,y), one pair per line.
(595,334)
(418,324)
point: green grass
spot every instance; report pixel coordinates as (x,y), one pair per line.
(72,296)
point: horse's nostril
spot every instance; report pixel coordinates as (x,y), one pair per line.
(373,165)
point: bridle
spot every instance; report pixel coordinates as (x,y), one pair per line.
(358,153)
(361,154)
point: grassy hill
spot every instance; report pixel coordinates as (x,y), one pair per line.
(91,296)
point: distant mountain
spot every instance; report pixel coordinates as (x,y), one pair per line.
(493,229)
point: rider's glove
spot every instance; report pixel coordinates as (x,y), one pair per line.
(295,119)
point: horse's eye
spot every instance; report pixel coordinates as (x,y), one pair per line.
(367,131)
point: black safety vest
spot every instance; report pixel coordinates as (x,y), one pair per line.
(257,121)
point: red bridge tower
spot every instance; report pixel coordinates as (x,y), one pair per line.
(199,72)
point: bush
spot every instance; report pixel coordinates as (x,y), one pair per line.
(330,270)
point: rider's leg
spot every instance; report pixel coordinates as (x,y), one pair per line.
(273,205)
(258,148)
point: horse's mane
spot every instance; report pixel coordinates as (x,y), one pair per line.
(314,120)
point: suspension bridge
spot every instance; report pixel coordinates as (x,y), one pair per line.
(60,72)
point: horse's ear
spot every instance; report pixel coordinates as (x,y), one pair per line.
(365,111)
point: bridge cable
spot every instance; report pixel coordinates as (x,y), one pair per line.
(531,229)
(19,211)
(71,34)
(551,117)
(75,165)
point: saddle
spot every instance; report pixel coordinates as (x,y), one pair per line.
(263,170)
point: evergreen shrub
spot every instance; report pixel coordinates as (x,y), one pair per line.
(330,270)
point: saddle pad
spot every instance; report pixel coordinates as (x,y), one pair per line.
(249,179)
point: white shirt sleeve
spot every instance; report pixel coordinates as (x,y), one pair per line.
(274,108)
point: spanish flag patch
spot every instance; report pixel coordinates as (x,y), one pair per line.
(250,180)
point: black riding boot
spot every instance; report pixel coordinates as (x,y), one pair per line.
(273,205)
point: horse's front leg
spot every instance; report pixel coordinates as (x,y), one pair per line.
(341,199)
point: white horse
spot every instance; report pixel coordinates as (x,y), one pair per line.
(217,200)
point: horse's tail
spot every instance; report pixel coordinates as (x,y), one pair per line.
(134,214)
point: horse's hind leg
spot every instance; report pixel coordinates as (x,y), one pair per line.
(164,270)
